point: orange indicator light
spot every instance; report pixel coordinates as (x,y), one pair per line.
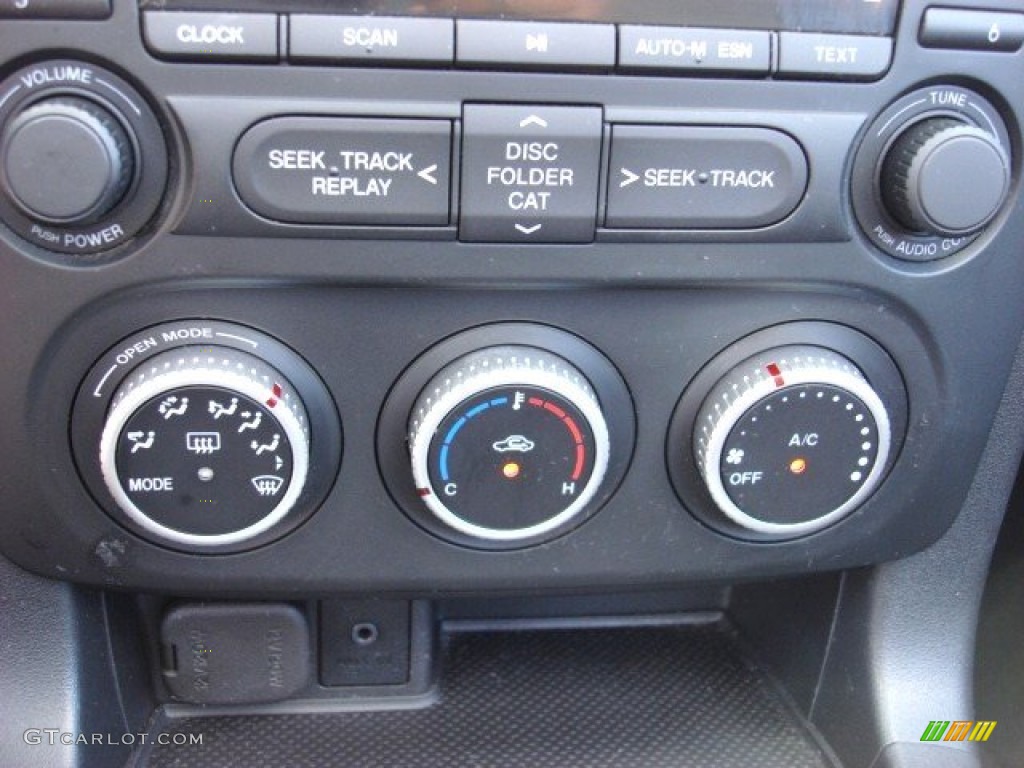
(511,470)
(797,466)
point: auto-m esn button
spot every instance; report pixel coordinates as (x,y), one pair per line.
(695,50)
(358,171)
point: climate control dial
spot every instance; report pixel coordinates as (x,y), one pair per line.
(792,440)
(507,444)
(206,436)
(205,446)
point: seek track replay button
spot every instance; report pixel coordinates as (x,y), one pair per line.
(356,171)
(530,174)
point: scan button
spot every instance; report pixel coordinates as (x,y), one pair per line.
(371,39)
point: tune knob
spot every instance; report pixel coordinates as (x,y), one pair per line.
(66,160)
(944,177)
(508,445)
(205,446)
(791,440)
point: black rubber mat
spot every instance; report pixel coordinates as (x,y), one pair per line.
(613,698)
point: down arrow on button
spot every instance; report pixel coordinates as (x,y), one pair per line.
(529,230)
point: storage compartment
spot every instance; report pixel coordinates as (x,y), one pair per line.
(643,697)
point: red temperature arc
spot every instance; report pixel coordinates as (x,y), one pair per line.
(574,430)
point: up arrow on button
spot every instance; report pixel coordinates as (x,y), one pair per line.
(526,122)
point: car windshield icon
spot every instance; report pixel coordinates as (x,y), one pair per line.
(516,443)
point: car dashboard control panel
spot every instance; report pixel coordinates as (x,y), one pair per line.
(413,299)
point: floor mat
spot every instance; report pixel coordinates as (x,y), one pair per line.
(610,698)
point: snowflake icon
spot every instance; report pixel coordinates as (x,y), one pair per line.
(735,456)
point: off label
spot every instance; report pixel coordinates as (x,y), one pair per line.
(745,478)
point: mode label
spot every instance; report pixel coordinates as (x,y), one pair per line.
(530,174)
(347,171)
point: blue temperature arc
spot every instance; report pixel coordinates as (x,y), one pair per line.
(450,437)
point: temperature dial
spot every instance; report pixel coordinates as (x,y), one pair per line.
(791,441)
(508,444)
(205,446)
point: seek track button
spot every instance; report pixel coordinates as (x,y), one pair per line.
(702,177)
(316,170)
(530,174)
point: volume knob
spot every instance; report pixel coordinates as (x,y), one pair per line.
(944,177)
(66,161)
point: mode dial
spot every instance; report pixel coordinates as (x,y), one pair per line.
(205,446)
(791,440)
(944,177)
(508,444)
(66,161)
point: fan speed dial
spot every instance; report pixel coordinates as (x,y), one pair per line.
(792,440)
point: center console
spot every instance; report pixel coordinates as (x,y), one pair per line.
(465,300)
